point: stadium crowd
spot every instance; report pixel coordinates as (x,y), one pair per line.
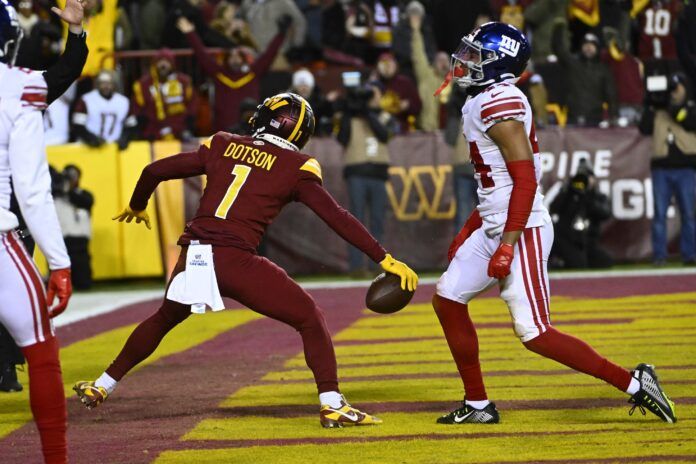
(180,69)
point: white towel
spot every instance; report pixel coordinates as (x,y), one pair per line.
(197,285)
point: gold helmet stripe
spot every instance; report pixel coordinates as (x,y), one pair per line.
(295,133)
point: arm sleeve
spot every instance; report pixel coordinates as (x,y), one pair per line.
(421,67)
(311,193)
(264,61)
(524,187)
(380,130)
(179,166)
(81,199)
(647,121)
(207,63)
(32,185)
(343,135)
(68,68)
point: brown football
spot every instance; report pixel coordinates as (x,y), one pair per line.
(385,295)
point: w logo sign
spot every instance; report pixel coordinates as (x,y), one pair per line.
(509,46)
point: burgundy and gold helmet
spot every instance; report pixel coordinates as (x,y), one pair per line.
(287,116)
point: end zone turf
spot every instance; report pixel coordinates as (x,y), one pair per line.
(238,390)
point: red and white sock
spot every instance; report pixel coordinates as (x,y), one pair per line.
(47,399)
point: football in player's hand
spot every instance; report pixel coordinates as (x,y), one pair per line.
(385,295)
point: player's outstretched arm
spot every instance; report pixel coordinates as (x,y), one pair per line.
(312,194)
(179,166)
(513,142)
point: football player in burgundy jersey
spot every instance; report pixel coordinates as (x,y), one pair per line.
(507,239)
(249,180)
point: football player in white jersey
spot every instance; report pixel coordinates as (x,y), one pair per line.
(26,307)
(507,239)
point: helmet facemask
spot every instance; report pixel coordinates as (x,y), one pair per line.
(466,64)
(11,47)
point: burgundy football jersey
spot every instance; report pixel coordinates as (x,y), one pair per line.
(657,30)
(248,182)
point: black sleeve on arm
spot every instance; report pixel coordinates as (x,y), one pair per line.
(343,135)
(647,121)
(68,68)
(312,194)
(179,166)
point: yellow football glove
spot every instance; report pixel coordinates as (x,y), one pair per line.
(409,279)
(128,215)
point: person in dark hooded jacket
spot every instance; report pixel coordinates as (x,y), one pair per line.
(590,83)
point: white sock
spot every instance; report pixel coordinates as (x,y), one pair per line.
(107,382)
(331,398)
(478,404)
(633,387)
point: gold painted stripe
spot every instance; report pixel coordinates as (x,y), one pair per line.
(299,122)
(280,104)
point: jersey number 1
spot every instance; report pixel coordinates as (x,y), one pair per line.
(240,173)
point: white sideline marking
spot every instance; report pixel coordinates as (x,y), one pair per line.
(85,305)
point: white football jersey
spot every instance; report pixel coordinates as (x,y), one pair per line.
(499,102)
(102,117)
(23,164)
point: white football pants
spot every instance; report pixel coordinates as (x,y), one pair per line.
(22,297)
(525,290)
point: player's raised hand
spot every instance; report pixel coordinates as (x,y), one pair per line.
(501,261)
(60,285)
(409,279)
(73,13)
(128,215)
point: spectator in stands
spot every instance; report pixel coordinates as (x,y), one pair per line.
(455,18)
(192,11)
(239,77)
(462,169)
(670,117)
(686,39)
(164,101)
(577,212)
(510,11)
(268,17)
(400,97)
(627,72)
(74,206)
(589,81)
(236,30)
(26,16)
(533,86)
(540,17)
(385,14)
(247,108)
(359,27)
(57,118)
(103,115)
(656,44)
(303,84)
(428,77)
(151,23)
(403,35)
(364,132)
(333,22)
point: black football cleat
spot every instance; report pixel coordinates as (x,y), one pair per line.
(651,396)
(470,415)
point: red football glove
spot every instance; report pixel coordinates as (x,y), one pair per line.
(499,265)
(58,284)
(473,223)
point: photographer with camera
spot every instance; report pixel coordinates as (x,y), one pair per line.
(74,206)
(577,213)
(364,132)
(670,117)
